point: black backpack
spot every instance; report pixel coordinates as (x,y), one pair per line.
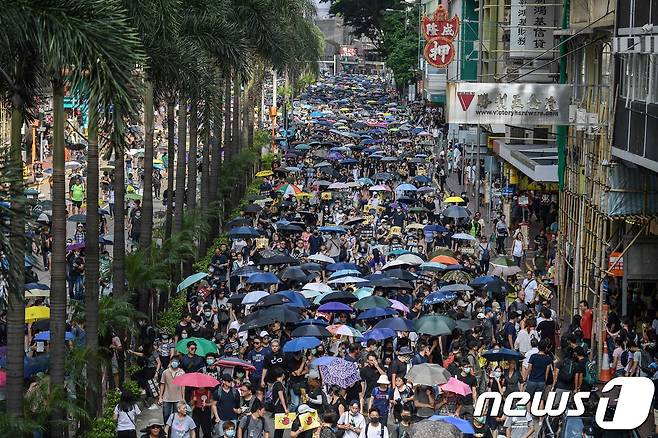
(567,371)
(245,429)
(381,431)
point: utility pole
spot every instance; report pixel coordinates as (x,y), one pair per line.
(480,67)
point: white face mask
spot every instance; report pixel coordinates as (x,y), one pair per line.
(497,374)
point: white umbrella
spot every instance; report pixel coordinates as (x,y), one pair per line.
(319,287)
(463,236)
(321,258)
(411,259)
(309,293)
(72,165)
(338,186)
(380,188)
(254,296)
(348,280)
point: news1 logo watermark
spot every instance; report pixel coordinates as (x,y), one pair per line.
(632,407)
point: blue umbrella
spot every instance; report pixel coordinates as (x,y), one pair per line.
(464,426)
(317,321)
(263,278)
(334,306)
(323,360)
(332,229)
(400,252)
(37,286)
(299,344)
(498,354)
(344,273)
(377,312)
(439,297)
(348,161)
(365,181)
(436,228)
(484,280)
(341,265)
(397,323)
(302,147)
(422,179)
(45,336)
(296,299)
(317,114)
(379,334)
(31,365)
(454,267)
(243,232)
(189,281)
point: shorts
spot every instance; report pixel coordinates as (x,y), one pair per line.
(535,387)
(77,204)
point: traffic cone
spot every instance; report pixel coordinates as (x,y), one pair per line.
(605,375)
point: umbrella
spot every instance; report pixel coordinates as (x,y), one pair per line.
(466,324)
(311,267)
(377,312)
(395,304)
(299,344)
(434,429)
(433,266)
(252,208)
(410,259)
(446,260)
(45,336)
(35,313)
(344,273)
(319,287)
(294,273)
(278,259)
(134,196)
(236,299)
(453,200)
(439,297)
(456,386)
(344,330)
(316,321)
(321,258)
(380,188)
(400,274)
(75,246)
(372,302)
(233,362)
(456,212)
(324,360)
(253,296)
(334,306)
(498,354)
(348,280)
(314,330)
(396,323)
(42,324)
(79,218)
(245,271)
(196,380)
(463,236)
(237,222)
(333,229)
(338,186)
(464,426)
(498,288)
(341,265)
(341,297)
(379,334)
(203,346)
(503,267)
(296,298)
(288,189)
(272,300)
(264,173)
(456,288)
(189,281)
(406,187)
(392,283)
(243,232)
(459,277)
(434,325)
(341,373)
(291,228)
(44,218)
(31,365)
(363,292)
(263,278)
(261,318)
(484,280)
(428,374)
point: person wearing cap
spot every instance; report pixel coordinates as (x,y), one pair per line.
(265,339)
(296,427)
(257,358)
(228,402)
(400,364)
(382,397)
(487,324)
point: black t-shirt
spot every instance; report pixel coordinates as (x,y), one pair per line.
(293,364)
(546,330)
(226,402)
(562,381)
(481,430)
(581,368)
(539,363)
(192,364)
(370,376)
(398,368)
(278,407)
(470,380)
(274,360)
(296,425)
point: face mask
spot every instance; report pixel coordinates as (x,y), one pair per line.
(174,364)
(497,374)
(183,335)
(229,433)
(239,375)
(481,420)
(210,361)
(467,370)
(374,420)
(208,314)
(314,351)
(406,418)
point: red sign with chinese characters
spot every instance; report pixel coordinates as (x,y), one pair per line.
(439,31)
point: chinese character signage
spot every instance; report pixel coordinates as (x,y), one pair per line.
(347,51)
(439,32)
(514,104)
(531,30)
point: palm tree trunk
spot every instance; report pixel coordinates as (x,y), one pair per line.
(91,267)
(146,233)
(205,174)
(119,247)
(171,156)
(237,137)
(58,293)
(246,109)
(228,152)
(180,165)
(216,151)
(191,160)
(16,300)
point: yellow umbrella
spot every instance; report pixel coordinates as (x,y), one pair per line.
(36,313)
(415,226)
(264,173)
(303,195)
(455,199)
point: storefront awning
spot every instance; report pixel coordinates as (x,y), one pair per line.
(538,162)
(633,191)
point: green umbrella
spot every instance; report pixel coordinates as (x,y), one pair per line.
(203,346)
(457,277)
(189,281)
(134,196)
(503,261)
(372,302)
(435,325)
(363,292)
(442,251)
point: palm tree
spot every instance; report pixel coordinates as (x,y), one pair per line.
(171,156)
(192,157)
(119,241)
(180,164)
(146,233)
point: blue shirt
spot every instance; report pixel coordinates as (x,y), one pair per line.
(380,400)
(257,359)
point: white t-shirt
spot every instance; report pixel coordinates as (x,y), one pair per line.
(374,431)
(517,249)
(529,286)
(529,353)
(126,420)
(357,421)
(523,339)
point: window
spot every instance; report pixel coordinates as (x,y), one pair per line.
(639,78)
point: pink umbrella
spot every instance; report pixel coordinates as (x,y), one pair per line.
(456,386)
(395,304)
(196,380)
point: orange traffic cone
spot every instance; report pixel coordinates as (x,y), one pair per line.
(606,373)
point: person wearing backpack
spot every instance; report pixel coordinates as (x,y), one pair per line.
(485,249)
(374,428)
(228,402)
(564,376)
(618,364)
(586,372)
(253,425)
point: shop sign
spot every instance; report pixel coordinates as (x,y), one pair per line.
(439,32)
(503,103)
(347,51)
(524,201)
(531,28)
(616,264)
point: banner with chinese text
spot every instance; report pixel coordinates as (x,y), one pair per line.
(514,104)
(531,28)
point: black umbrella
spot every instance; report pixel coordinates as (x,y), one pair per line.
(295,273)
(79,218)
(252,208)
(291,228)
(466,324)
(236,299)
(41,325)
(238,222)
(456,212)
(261,318)
(314,330)
(279,259)
(272,300)
(75,146)
(341,297)
(391,283)
(400,274)
(245,270)
(311,267)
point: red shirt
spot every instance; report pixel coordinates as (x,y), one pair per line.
(586,324)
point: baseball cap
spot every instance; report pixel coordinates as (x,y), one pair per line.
(264,334)
(480,315)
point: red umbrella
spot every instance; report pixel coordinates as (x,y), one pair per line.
(196,380)
(233,362)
